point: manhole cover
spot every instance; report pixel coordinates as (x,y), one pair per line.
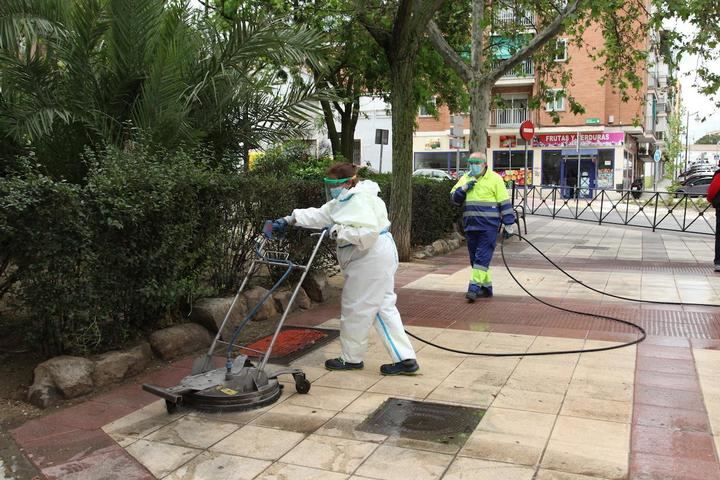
(433,422)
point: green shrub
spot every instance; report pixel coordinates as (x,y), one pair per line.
(148,232)
(433,213)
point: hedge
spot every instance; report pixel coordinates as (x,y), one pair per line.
(96,264)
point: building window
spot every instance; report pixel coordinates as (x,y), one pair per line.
(561,53)
(558,104)
(425,108)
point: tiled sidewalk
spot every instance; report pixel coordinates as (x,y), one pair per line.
(645,412)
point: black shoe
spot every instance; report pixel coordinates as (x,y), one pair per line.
(471,296)
(340,364)
(485,293)
(406,367)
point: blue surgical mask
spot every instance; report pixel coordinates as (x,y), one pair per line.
(477,169)
(337,191)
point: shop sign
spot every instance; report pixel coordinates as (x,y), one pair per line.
(592,121)
(590,139)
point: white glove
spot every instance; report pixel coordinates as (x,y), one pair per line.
(333,232)
(508,229)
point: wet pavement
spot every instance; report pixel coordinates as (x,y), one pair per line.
(650,411)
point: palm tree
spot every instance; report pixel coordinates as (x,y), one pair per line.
(78,74)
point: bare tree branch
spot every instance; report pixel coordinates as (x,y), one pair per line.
(449,55)
(534,45)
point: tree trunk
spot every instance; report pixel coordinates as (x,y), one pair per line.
(347,134)
(403,122)
(480,96)
(330,124)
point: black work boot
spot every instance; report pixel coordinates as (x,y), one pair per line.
(406,367)
(471,296)
(340,364)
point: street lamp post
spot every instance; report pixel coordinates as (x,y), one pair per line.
(687,133)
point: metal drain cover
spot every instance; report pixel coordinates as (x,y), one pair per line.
(433,422)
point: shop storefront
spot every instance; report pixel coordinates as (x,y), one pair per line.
(582,167)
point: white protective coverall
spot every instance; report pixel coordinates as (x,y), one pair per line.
(368,257)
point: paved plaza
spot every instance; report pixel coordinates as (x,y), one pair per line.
(650,411)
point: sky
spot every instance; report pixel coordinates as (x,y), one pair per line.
(692,100)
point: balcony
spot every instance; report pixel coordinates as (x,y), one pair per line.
(511,17)
(508,117)
(521,74)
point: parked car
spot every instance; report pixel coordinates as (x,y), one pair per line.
(432,174)
(696,186)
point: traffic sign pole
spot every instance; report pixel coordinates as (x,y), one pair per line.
(527,132)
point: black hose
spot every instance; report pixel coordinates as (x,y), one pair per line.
(643,334)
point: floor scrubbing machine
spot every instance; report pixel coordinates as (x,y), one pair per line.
(242,384)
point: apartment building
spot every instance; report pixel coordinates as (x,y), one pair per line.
(616,139)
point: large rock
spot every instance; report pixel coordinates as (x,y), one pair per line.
(282,299)
(453,244)
(42,393)
(210,313)
(179,340)
(440,247)
(316,286)
(68,376)
(114,366)
(253,297)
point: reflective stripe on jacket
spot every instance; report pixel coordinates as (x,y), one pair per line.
(486,204)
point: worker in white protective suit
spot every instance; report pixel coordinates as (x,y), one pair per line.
(357,219)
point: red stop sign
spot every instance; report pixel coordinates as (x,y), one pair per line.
(527,130)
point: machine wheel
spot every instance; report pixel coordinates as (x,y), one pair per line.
(170,407)
(301,384)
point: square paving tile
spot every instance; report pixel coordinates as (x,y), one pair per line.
(143,422)
(330,453)
(512,436)
(544,474)
(258,442)
(661,441)
(344,425)
(671,418)
(527,400)
(646,466)
(348,380)
(473,469)
(366,403)
(193,432)
(325,398)
(161,458)
(597,409)
(293,418)
(393,463)
(218,466)
(603,453)
(283,471)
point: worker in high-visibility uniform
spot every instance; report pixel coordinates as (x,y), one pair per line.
(357,219)
(486,204)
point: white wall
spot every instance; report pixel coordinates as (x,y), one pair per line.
(374,113)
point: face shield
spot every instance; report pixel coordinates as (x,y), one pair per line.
(334,187)
(477,166)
